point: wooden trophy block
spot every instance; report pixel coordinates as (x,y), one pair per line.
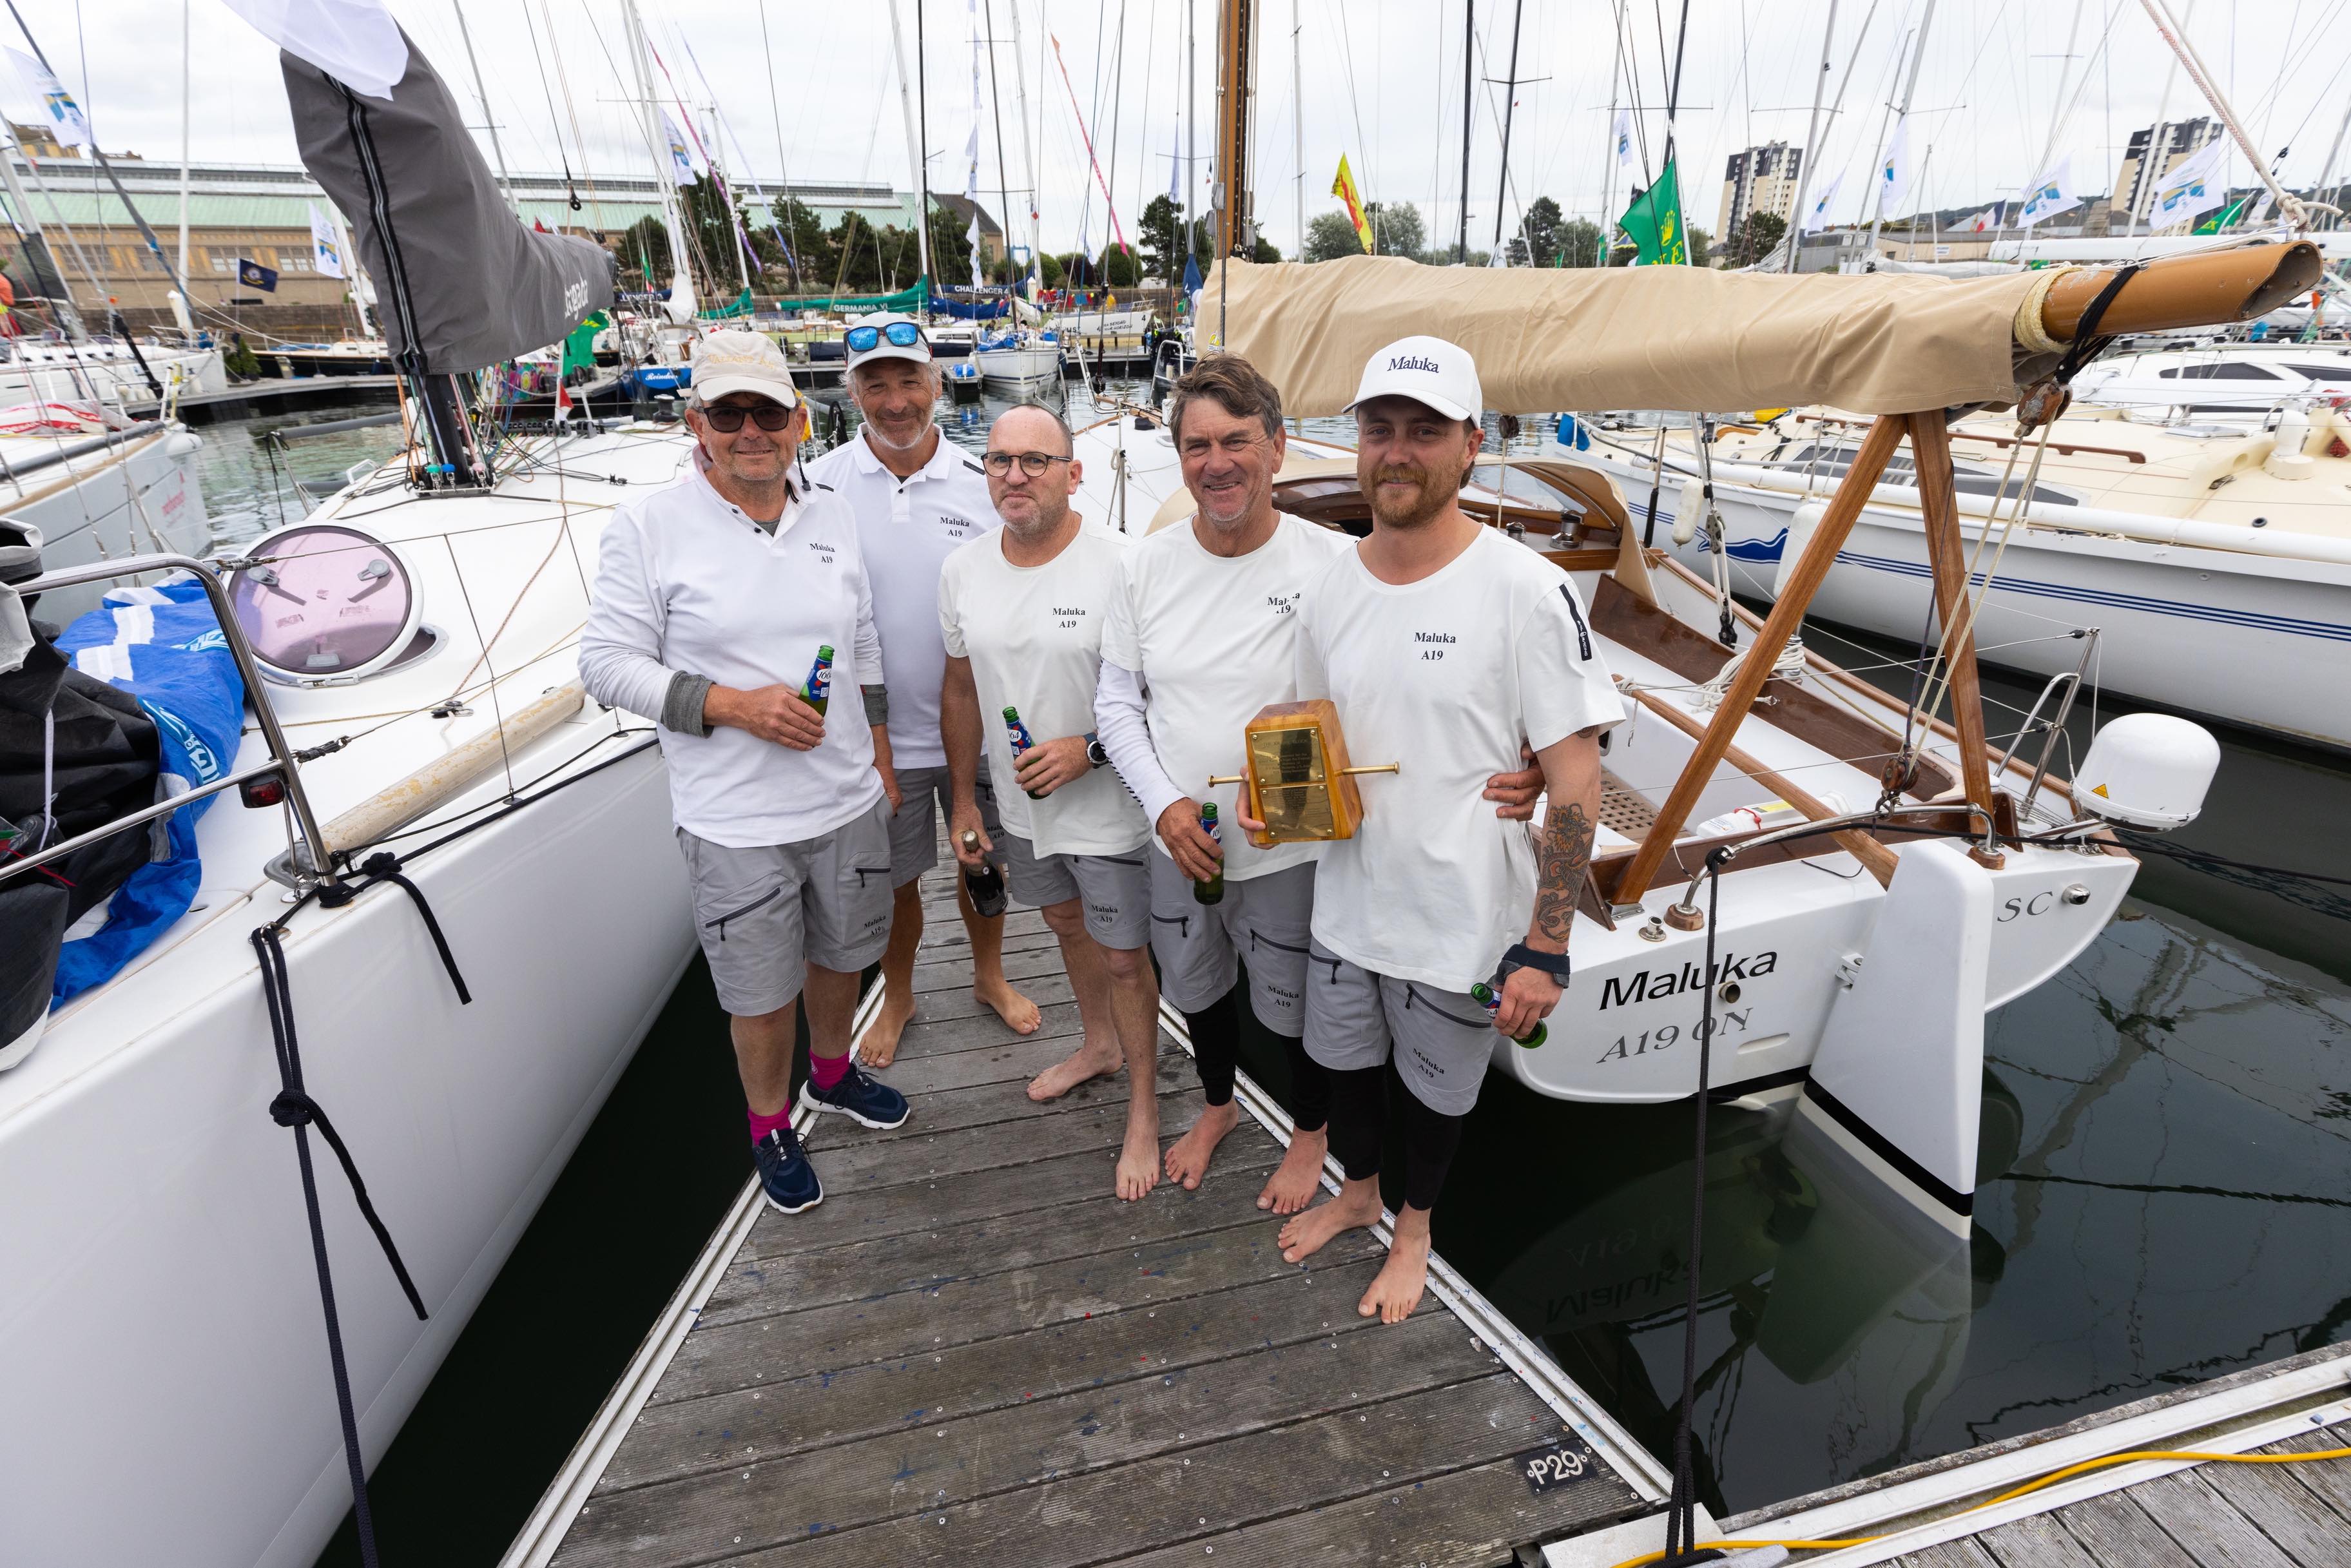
(1300,784)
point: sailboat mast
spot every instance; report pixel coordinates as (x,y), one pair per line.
(1608,164)
(28,228)
(913,140)
(186,73)
(1298,120)
(1028,154)
(1469,101)
(1794,237)
(681,263)
(996,107)
(923,130)
(1510,109)
(1191,123)
(489,120)
(1902,116)
(1236,26)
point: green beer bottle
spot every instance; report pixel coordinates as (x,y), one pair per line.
(1021,743)
(1491,1001)
(1212,891)
(818,688)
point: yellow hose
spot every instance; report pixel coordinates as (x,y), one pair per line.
(2050,1479)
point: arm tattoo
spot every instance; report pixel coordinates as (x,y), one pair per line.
(1562,859)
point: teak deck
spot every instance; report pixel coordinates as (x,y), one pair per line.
(971,1353)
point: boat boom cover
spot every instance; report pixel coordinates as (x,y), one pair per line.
(1591,338)
(481,286)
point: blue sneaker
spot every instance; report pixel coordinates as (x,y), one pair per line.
(866,1101)
(785,1174)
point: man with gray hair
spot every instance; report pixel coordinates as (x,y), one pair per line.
(723,605)
(917,500)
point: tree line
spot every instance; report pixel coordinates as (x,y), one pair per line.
(1547,238)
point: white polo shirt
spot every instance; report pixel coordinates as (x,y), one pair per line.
(909,527)
(1446,676)
(1212,638)
(1033,634)
(687,581)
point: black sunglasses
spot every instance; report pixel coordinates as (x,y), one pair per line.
(901,334)
(730,417)
(1032,464)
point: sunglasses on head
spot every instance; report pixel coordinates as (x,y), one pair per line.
(730,417)
(902,335)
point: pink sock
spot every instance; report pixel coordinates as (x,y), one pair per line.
(763,1125)
(827,1071)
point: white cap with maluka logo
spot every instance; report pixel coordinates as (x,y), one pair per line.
(738,362)
(1426,370)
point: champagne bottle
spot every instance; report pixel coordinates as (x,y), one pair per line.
(1021,743)
(987,883)
(818,689)
(1211,890)
(1491,1001)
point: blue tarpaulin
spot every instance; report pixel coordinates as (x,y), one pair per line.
(163,646)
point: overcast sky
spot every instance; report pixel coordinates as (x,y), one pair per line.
(1381,82)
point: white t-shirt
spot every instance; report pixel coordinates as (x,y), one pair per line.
(1033,634)
(1445,675)
(908,528)
(688,581)
(1213,639)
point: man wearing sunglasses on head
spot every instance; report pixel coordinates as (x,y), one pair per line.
(715,601)
(1022,611)
(917,499)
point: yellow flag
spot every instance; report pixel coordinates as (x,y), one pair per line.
(1343,187)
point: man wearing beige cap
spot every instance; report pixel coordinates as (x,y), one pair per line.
(1445,646)
(725,607)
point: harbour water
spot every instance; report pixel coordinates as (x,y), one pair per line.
(2165,1197)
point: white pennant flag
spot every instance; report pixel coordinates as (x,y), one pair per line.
(2051,194)
(1623,139)
(1893,171)
(67,122)
(326,246)
(681,162)
(1817,217)
(2193,188)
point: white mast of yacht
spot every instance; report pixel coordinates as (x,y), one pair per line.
(918,156)
(1028,152)
(1901,118)
(682,304)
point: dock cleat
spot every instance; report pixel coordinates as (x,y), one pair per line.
(785,1174)
(866,1101)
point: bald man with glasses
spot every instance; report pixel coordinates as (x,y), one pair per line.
(1022,610)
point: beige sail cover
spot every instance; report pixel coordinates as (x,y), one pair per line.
(1551,339)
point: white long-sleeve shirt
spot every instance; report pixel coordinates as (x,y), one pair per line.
(688,582)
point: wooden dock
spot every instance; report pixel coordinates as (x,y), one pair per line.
(971,1353)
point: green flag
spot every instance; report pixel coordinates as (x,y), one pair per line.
(2234,212)
(580,343)
(1653,222)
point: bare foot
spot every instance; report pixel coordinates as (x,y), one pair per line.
(1089,1060)
(1358,1204)
(1018,1013)
(1291,1186)
(1188,1157)
(878,1046)
(1396,1292)
(1138,1157)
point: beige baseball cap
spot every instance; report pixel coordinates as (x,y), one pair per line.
(735,360)
(1427,371)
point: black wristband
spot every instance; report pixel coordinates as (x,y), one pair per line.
(1522,956)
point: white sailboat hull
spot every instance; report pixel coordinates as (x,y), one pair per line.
(2244,638)
(44,373)
(1023,369)
(142,495)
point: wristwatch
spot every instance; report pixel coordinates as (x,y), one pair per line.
(1096,752)
(1522,956)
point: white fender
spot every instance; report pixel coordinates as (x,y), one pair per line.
(1799,534)
(1898,1081)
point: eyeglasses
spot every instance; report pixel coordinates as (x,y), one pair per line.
(901,334)
(1032,464)
(730,417)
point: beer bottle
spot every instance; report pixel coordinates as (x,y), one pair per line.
(1491,1001)
(1211,890)
(1021,743)
(985,884)
(818,687)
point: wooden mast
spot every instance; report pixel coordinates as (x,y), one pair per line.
(1235,68)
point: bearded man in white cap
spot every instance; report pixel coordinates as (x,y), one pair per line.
(724,606)
(917,500)
(1446,646)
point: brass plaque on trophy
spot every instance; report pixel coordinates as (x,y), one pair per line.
(1300,784)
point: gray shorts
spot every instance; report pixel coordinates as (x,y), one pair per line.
(1116,888)
(1441,1040)
(913,827)
(766,914)
(1200,947)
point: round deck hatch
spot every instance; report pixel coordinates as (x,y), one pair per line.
(322,601)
